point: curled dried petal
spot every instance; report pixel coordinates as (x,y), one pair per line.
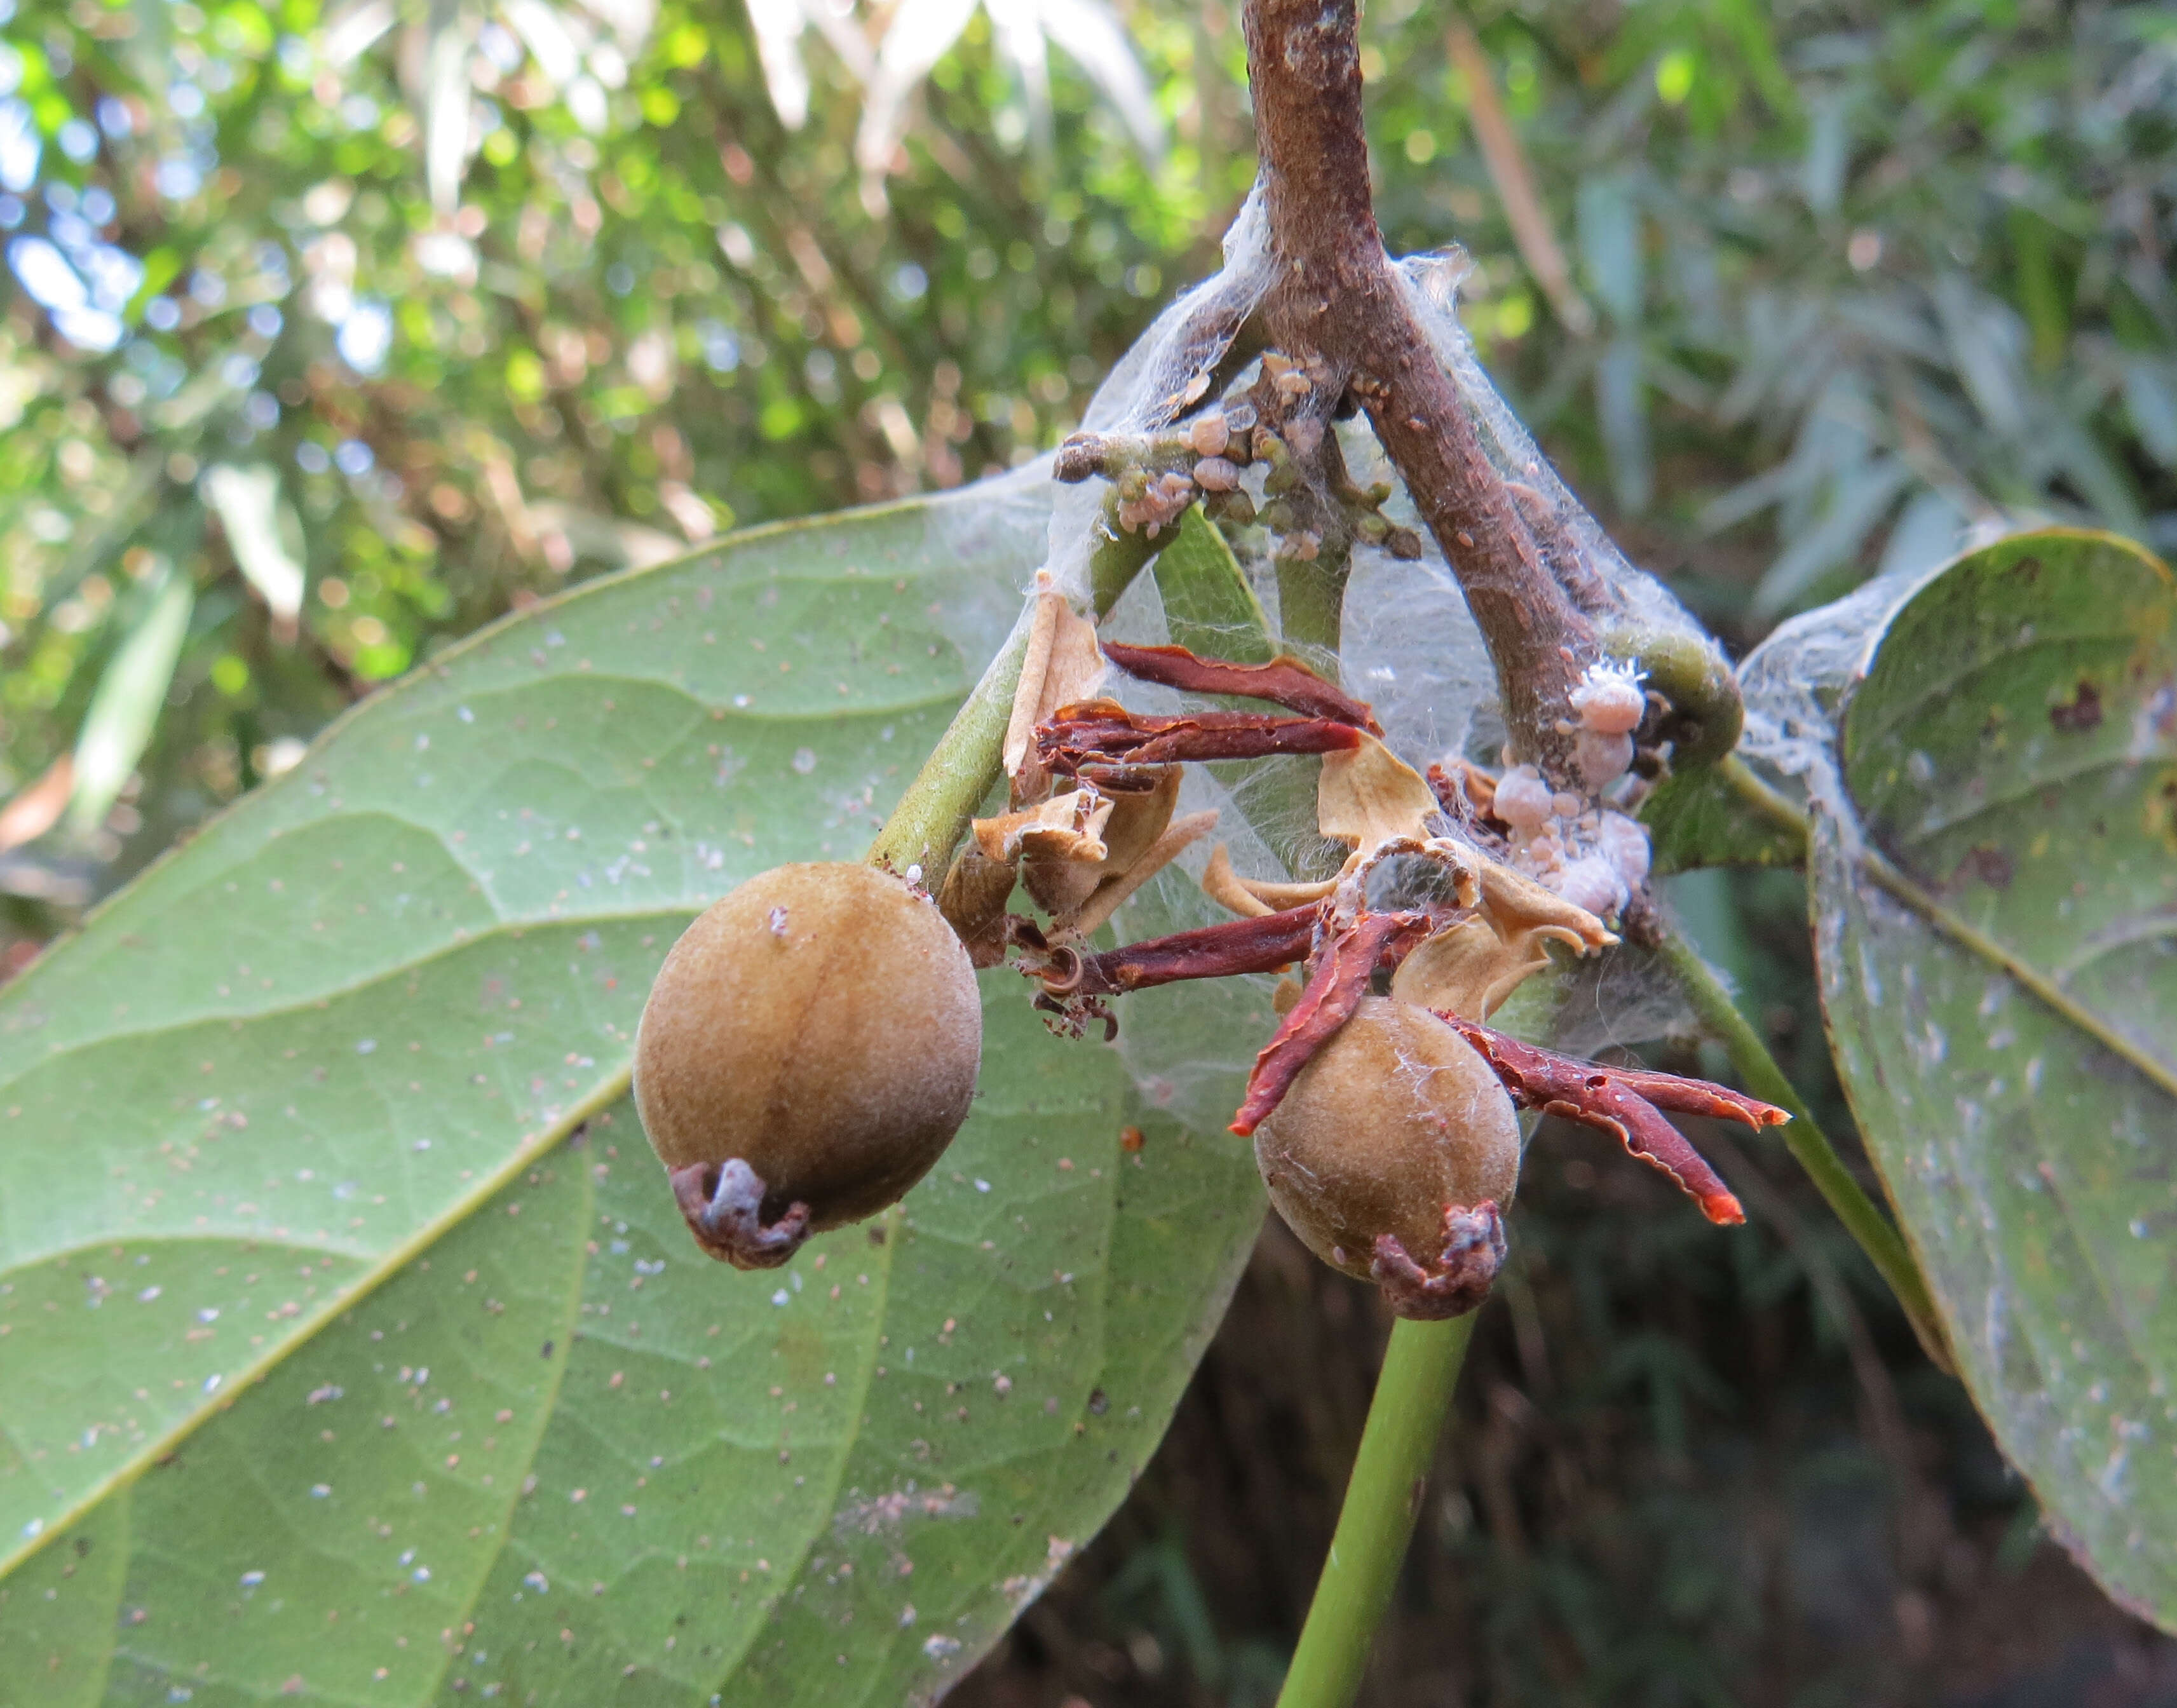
(1260,945)
(1284,681)
(1623,1103)
(1250,898)
(1067,826)
(1229,890)
(1334,989)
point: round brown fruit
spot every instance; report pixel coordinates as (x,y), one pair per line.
(1391,1156)
(807,1053)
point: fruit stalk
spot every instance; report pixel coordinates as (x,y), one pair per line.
(1382,1499)
(931,818)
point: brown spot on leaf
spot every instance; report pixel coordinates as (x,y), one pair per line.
(1989,864)
(2082,712)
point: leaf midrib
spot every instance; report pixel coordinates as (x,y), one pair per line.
(426,1234)
(355,989)
(571,1319)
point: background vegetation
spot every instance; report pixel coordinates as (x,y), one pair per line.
(332,334)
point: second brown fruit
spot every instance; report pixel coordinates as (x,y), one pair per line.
(1392,1157)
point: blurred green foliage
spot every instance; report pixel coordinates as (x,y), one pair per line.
(480,298)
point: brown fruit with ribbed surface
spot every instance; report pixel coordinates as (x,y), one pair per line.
(1393,1156)
(807,1053)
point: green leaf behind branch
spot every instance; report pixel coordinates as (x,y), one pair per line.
(2002,995)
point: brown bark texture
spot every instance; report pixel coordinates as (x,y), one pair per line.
(1337,299)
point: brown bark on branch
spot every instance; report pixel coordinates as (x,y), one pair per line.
(1337,299)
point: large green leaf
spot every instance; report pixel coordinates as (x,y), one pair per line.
(349,1345)
(2001,978)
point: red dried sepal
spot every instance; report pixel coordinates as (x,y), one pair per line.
(1458,1277)
(1283,681)
(1334,990)
(1260,945)
(1622,1102)
(1700,1097)
(1100,739)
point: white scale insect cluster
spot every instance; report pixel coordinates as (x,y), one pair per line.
(1591,854)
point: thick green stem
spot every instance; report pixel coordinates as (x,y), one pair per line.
(962,769)
(1382,1499)
(931,818)
(1758,1071)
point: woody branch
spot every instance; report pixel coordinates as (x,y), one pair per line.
(1337,298)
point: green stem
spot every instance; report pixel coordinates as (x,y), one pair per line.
(1758,1071)
(1413,1393)
(1769,803)
(964,767)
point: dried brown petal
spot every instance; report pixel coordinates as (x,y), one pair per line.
(1334,989)
(1262,945)
(1110,895)
(1284,681)
(974,902)
(1622,1102)
(1370,795)
(1101,739)
(1468,969)
(1062,664)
